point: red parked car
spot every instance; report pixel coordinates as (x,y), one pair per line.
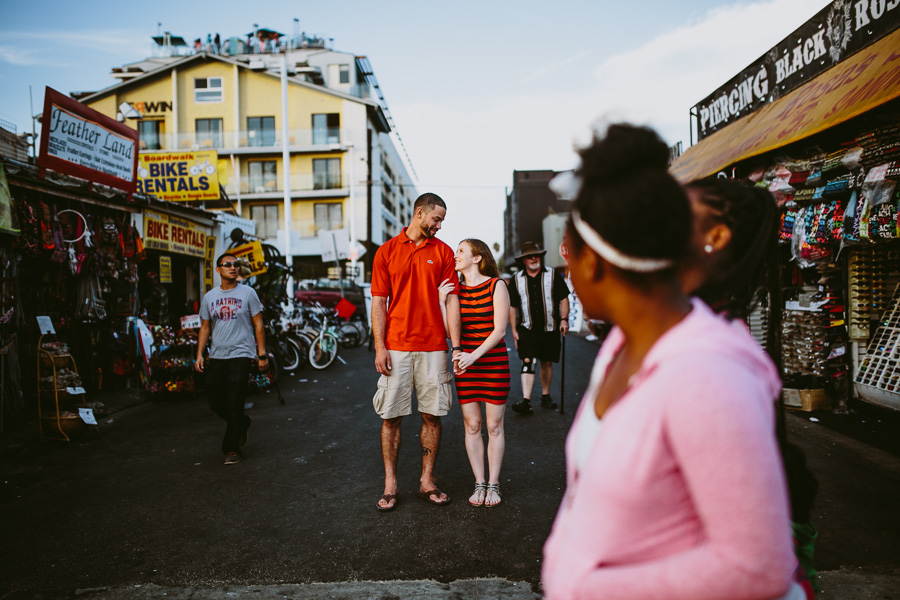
(327,292)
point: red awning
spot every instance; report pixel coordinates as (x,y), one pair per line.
(856,85)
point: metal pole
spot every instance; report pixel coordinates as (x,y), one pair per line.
(236,170)
(337,263)
(286,178)
(353,250)
(562,378)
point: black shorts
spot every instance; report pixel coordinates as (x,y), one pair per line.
(542,345)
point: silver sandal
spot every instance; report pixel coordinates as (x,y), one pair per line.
(480,487)
(492,487)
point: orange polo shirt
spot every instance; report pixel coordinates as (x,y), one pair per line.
(409,276)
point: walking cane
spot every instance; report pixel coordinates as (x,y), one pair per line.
(272,375)
(562,382)
(277,391)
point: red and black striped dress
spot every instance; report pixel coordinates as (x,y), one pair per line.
(488,379)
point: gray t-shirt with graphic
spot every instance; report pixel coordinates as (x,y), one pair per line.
(230,314)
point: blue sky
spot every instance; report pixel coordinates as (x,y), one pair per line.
(477,89)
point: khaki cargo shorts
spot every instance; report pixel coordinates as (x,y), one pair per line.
(424,371)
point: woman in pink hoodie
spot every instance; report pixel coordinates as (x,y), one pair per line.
(675,485)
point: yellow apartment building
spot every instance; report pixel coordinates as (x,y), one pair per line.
(344,169)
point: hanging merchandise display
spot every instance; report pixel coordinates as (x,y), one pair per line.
(76,260)
(839,224)
(827,147)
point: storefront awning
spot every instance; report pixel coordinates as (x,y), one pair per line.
(856,85)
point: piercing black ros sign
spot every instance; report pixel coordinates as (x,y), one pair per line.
(836,32)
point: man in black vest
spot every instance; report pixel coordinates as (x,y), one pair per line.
(539,310)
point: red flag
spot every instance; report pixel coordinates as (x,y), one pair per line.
(345,309)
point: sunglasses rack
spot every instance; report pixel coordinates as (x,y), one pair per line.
(814,335)
(873,273)
(758,321)
(804,345)
(879,371)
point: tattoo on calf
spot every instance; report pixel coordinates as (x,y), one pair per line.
(426,451)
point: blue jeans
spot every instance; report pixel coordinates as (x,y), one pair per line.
(226,384)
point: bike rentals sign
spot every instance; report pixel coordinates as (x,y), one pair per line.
(252,253)
(171,234)
(179,176)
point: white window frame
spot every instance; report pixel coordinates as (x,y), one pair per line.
(205,95)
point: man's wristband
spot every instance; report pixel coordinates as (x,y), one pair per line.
(263,357)
(455,348)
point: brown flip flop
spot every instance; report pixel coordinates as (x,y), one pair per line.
(387,498)
(426,496)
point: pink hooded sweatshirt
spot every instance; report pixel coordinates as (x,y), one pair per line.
(683,494)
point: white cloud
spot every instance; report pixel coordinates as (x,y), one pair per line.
(541,73)
(47,46)
(481,140)
(660,81)
(17,56)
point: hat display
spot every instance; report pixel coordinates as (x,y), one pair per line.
(530,249)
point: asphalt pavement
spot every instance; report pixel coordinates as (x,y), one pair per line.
(148,510)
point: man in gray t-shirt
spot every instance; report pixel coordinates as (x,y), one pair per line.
(231,316)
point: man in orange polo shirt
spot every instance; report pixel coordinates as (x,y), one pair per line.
(411,343)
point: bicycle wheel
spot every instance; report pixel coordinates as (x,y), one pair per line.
(303,341)
(363,331)
(289,351)
(348,335)
(323,350)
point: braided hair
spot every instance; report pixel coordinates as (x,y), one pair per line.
(752,216)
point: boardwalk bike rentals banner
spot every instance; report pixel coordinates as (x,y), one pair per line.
(179,176)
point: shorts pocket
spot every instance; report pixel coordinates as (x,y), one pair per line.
(380,398)
(445,392)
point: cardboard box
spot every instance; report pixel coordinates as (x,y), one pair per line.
(806,400)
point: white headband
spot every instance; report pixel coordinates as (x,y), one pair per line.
(611,255)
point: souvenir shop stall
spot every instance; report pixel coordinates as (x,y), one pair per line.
(11,318)
(73,260)
(828,148)
(81,256)
(180,248)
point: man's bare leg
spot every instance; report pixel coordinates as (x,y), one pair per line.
(546,377)
(431,441)
(390,450)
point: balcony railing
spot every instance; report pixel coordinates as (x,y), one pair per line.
(302,228)
(247,138)
(302,182)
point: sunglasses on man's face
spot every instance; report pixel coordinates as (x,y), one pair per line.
(228,265)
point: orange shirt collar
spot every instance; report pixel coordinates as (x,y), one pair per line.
(404,238)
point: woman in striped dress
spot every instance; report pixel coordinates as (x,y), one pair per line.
(482,372)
